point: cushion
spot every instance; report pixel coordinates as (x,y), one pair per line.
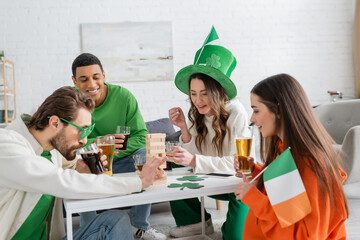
(162,125)
(173,137)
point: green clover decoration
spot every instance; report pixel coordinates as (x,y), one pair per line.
(184,185)
(213,61)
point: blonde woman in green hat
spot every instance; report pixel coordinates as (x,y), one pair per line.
(216,118)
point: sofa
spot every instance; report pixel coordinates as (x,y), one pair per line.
(163,125)
(342,121)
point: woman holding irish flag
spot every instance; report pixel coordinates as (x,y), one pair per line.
(298,194)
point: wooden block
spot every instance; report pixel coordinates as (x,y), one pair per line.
(159,136)
(156,147)
(154,152)
(154,144)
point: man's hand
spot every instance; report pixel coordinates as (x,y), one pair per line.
(82,167)
(149,169)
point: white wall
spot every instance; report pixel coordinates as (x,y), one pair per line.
(311,40)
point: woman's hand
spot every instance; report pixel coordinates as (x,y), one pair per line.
(181,156)
(177,117)
(236,163)
(243,187)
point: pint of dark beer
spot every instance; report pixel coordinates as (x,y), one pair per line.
(123,130)
(91,156)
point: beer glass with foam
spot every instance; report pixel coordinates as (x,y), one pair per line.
(107,144)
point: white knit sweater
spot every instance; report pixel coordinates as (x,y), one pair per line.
(208,161)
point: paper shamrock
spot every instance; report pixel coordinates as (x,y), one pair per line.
(184,185)
(191,178)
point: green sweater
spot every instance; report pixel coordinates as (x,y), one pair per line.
(119,108)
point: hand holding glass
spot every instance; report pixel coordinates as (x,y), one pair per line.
(243,149)
(91,156)
(123,130)
(107,144)
(168,145)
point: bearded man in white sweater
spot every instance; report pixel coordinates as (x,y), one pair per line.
(32,180)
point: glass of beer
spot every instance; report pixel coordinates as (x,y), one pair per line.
(107,144)
(243,149)
(139,161)
(123,130)
(91,156)
(168,145)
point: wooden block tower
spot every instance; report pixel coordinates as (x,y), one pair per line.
(155,146)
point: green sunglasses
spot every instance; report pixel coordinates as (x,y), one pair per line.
(85,132)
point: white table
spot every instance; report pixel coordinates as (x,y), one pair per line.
(213,185)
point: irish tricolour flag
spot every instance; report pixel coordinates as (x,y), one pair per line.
(286,190)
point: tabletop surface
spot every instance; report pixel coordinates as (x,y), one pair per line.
(157,193)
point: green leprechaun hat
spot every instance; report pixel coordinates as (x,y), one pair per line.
(212,60)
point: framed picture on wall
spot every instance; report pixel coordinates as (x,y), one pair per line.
(131,51)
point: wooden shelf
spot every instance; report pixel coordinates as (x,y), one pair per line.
(7,91)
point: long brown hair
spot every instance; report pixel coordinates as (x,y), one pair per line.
(65,103)
(310,143)
(217,100)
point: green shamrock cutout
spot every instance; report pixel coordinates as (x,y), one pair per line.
(191,185)
(184,185)
(213,61)
(190,178)
(174,185)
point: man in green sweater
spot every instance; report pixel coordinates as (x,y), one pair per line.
(115,105)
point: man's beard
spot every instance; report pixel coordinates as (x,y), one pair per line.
(59,143)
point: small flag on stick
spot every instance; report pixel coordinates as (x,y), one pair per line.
(211,38)
(286,190)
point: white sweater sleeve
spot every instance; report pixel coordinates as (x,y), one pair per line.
(21,169)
